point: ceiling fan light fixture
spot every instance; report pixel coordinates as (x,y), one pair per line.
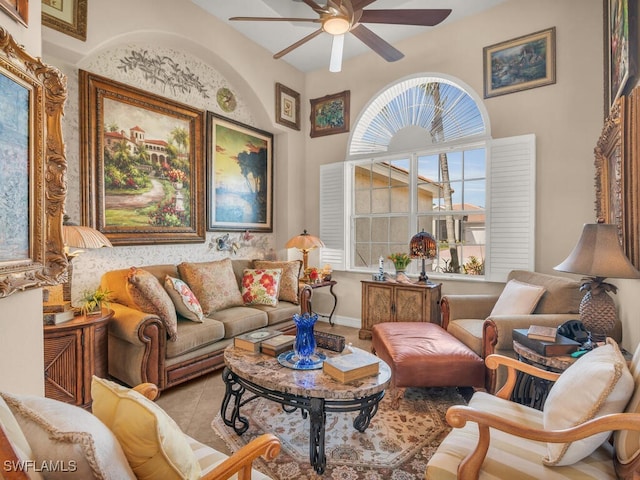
(336,25)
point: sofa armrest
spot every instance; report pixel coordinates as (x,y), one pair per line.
(266,445)
(466,306)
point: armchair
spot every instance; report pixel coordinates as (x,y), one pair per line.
(493,438)
(469,318)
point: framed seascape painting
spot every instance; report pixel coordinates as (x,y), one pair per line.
(142,164)
(16,9)
(32,183)
(66,16)
(520,64)
(240,176)
(330,114)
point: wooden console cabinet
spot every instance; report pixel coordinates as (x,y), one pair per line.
(398,302)
(74,351)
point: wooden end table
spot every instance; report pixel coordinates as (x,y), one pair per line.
(311,391)
(324,283)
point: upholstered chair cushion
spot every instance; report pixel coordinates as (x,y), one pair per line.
(598,383)
(150,296)
(16,438)
(57,431)
(184,300)
(562,295)
(260,286)
(518,298)
(152,442)
(213,283)
(290,279)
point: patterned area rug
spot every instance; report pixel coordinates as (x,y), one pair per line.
(396,446)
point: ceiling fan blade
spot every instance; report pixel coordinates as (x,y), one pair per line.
(298,43)
(377,44)
(274,19)
(358,4)
(412,16)
(316,8)
(335,63)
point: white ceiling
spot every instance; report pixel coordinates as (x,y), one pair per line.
(314,55)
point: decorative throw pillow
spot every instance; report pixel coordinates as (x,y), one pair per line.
(260,286)
(183,299)
(598,383)
(213,283)
(150,296)
(518,298)
(17,440)
(56,431)
(151,440)
(290,279)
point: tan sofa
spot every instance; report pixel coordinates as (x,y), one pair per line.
(140,350)
(467,317)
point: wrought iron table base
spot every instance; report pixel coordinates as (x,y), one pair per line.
(317,409)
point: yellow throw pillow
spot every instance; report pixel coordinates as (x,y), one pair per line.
(152,442)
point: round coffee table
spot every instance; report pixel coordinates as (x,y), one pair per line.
(312,391)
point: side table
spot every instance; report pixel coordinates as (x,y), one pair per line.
(74,351)
(533,391)
(324,283)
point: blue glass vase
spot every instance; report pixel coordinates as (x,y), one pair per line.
(304,345)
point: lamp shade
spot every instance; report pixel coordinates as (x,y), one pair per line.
(77,236)
(598,254)
(304,242)
(423,245)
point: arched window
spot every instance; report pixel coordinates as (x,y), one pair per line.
(418,159)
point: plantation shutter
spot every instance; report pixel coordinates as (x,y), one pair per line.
(511,206)
(333,212)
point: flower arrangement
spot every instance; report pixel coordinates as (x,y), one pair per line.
(94,300)
(313,274)
(400,260)
(176,175)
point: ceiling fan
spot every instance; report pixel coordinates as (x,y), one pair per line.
(339,17)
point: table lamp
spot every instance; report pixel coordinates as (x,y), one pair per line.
(598,255)
(305,243)
(79,238)
(423,245)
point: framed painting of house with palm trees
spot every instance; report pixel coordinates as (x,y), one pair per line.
(240,176)
(143,164)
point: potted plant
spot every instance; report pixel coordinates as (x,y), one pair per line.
(94,300)
(400,261)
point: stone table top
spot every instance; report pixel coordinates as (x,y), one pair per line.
(267,372)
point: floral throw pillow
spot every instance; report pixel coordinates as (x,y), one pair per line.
(290,279)
(149,295)
(260,286)
(186,303)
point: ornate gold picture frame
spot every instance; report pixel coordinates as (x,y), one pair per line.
(32,181)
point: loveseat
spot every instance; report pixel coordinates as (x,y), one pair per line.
(150,337)
(127,437)
(473,320)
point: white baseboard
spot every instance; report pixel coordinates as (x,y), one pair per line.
(344,321)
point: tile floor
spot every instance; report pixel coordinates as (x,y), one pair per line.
(193,405)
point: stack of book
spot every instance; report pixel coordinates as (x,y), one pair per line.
(251,341)
(559,345)
(274,346)
(55,313)
(352,366)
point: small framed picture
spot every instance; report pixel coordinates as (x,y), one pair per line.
(287,107)
(619,50)
(330,114)
(68,16)
(520,64)
(16,9)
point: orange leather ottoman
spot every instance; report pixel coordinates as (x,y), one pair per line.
(425,355)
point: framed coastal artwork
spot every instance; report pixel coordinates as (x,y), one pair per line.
(520,64)
(330,114)
(16,9)
(240,176)
(287,107)
(32,178)
(142,161)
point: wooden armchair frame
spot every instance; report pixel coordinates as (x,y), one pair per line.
(241,462)
(457,416)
